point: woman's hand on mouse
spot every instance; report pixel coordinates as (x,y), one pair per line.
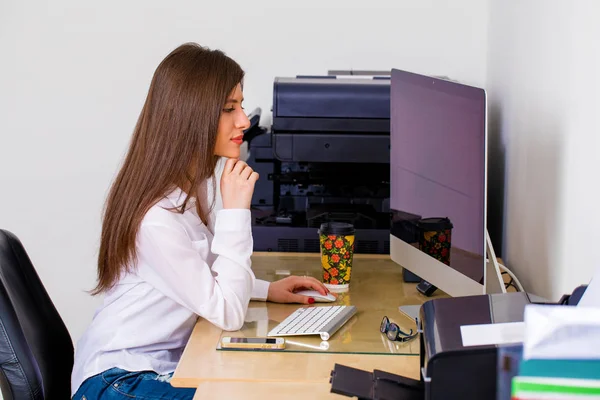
(283,291)
(237,184)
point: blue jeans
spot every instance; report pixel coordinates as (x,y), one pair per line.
(118,384)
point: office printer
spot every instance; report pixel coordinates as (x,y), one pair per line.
(325,158)
(450,368)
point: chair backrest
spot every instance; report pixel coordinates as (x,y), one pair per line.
(36,350)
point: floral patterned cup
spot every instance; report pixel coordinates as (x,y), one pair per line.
(337,249)
(436,238)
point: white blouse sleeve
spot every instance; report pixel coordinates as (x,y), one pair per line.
(174,265)
(261,290)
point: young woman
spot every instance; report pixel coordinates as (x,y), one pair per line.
(176,236)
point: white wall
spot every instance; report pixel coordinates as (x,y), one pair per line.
(73,76)
(543,67)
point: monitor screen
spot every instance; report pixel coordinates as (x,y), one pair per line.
(438,169)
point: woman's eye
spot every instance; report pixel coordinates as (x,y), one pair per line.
(228,109)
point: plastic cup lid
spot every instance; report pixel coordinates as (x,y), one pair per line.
(336,228)
(434,224)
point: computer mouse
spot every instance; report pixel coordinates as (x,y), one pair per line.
(319,298)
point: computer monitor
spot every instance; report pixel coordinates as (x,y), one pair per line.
(438,182)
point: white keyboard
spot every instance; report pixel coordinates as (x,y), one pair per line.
(323,321)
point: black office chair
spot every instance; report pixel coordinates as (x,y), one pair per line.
(36,351)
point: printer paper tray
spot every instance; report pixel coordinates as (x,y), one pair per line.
(355,125)
(311,147)
(378,385)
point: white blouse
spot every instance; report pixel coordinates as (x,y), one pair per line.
(185,269)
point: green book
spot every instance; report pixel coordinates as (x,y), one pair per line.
(524,387)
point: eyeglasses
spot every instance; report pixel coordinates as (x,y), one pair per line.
(393,331)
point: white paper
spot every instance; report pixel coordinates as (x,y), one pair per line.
(591,296)
(487,334)
(561,332)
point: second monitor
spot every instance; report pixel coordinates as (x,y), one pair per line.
(438,163)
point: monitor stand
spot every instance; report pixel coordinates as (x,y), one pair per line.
(492,280)
(411,312)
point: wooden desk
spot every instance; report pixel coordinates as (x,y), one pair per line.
(265,390)
(376,289)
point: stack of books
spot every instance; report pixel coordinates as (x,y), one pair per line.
(541,379)
(557,379)
(558,359)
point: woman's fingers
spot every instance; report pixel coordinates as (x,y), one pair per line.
(298,298)
(312,283)
(229,164)
(246,172)
(239,167)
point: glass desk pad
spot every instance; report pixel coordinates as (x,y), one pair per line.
(376,289)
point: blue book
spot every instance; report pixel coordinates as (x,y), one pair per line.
(577,369)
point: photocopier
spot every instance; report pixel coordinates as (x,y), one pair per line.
(324,158)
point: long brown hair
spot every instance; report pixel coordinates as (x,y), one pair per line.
(172,145)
